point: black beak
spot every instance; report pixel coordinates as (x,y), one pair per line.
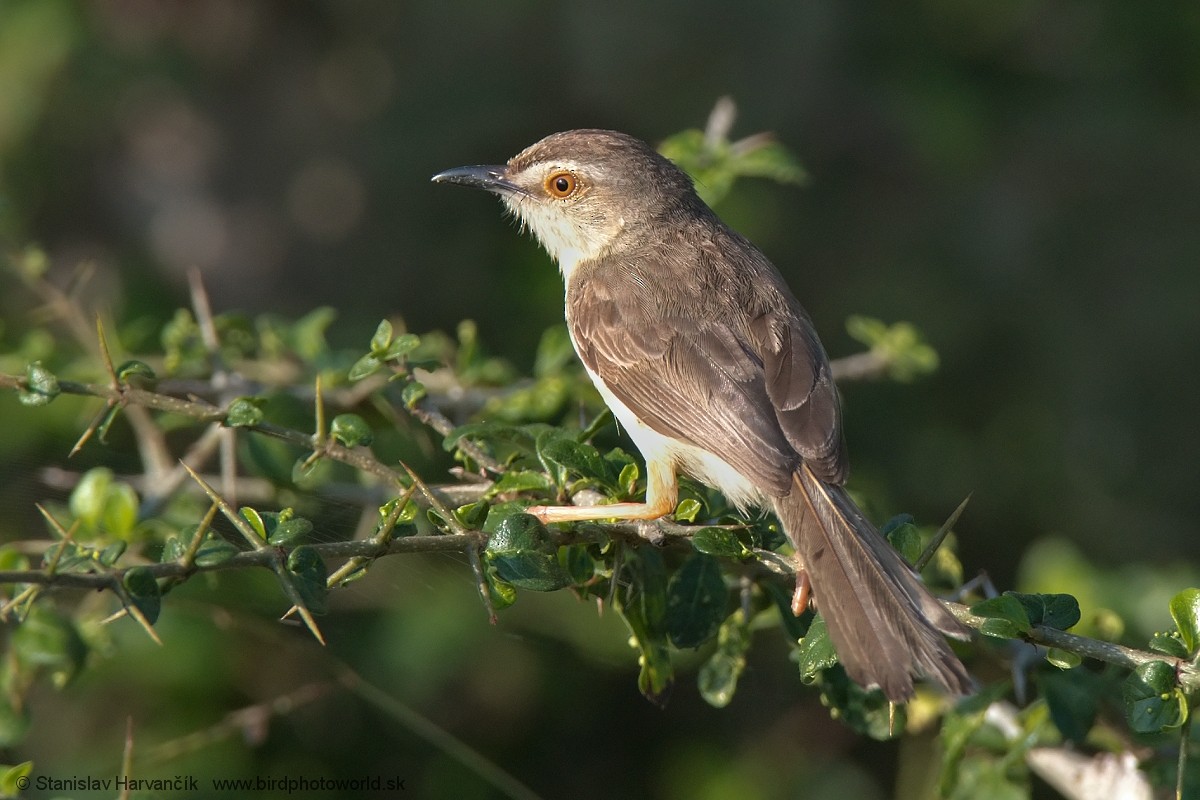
(491,178)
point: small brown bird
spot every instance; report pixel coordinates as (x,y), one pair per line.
(708,361)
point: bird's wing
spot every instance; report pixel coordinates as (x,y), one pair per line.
(801,389)
(706,384)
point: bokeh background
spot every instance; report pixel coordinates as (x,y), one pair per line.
(1019,179)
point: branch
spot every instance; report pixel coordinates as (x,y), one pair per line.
(1187,673)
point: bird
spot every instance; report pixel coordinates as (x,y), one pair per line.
(714,369)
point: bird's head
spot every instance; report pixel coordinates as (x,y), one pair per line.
(581,192)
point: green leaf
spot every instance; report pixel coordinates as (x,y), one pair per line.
(577,563)
(46,639)
(696,601)
(1006,617)
(307,572)
(1063,659)
(815,652)
(579,458)
(521,480)
(255,519)
(907,540)
(110,554)
(771,160)
(212,551)
(472,515)
(687,510)
(287,531)
(1072,698)
(719,542)
(404,344)
(1060,611)
(382,337)
(135,373)
(1170,644)
(143,591)
(628,479)
(14,780)
(1185,610)
(554,352)
(1153,701)
(719,675)
(245,411)
(307,334)
(120,509)
(641,601)
(520,551)
(90,496)
(366,366)
(351,430)
(412,393)
(41,386)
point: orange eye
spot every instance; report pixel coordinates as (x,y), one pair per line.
(560,184)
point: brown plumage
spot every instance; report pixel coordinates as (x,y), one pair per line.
(712,366)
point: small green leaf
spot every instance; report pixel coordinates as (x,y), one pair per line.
(244,411)
(412,393)
(120,509)
(14,780)
(1072,698)
(472,515)
(1006,617)
(110,554)
(521,480)
(628,479)
(366,366)
(1170,644)
(1063,659)
(554,352)
(1060,611)
(1185,610)
(687,510)
(89,497)
(351,430)
(522,555)
(577,562)
(719,676)
(287,531)
(719,542)
(815,652)
(641,601)
(135,372)
(502,593)
(214,551)
(143,591)
(382,337)
(307,572)
(48,640)
(404,344)
(1153,701)
(696,601)
(907,540)
(41,386)
(575,457)
(255,519)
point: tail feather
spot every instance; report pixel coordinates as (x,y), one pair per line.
(884,624)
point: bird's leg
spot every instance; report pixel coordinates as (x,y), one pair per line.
(662,495)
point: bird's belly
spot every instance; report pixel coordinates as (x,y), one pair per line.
(707,467)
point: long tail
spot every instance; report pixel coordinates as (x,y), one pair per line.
(884,624)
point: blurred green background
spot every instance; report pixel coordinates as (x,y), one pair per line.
(1019,179)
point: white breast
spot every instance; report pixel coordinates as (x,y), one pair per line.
(709,468)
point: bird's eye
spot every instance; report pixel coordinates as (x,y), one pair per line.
(560,184)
